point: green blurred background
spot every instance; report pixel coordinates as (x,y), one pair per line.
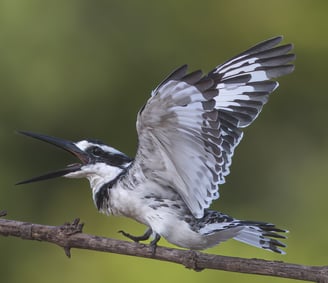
(78,69)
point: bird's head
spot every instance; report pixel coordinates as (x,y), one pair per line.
(99,163)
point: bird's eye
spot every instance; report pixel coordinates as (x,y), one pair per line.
(97,151)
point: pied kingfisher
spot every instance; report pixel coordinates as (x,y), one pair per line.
(187,133)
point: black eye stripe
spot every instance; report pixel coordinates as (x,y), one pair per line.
(97,151)
(110,158)
(118,159)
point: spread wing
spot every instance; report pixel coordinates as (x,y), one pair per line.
(191,124)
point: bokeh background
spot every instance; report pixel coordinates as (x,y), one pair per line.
(78,69)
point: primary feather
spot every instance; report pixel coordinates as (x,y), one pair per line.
(193,122)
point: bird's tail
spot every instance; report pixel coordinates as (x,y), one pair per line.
(261,235)
(219,227)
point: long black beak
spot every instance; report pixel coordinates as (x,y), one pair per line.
(63,144)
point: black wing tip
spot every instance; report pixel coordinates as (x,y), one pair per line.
(280,71)
(176,74)
(266,45)
(180,71)
(275,39)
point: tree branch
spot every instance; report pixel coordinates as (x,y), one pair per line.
(70,236)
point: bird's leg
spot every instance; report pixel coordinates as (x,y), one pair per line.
(138,238)
(153,243)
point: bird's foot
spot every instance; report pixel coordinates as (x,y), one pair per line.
(146,236)
(153,244)
(137,239)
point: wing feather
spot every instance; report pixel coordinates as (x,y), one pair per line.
(194,122)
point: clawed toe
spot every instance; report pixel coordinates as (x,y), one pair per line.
(146,236)
(137,238)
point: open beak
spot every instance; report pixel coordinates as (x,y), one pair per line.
(63,144)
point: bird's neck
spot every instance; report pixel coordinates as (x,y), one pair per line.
(100,188)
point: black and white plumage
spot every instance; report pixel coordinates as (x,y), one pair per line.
(187,132)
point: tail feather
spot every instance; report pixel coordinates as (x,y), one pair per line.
(262,235)
(219,227)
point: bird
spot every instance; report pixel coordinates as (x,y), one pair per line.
(187,134)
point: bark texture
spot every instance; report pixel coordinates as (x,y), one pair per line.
(70,236)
